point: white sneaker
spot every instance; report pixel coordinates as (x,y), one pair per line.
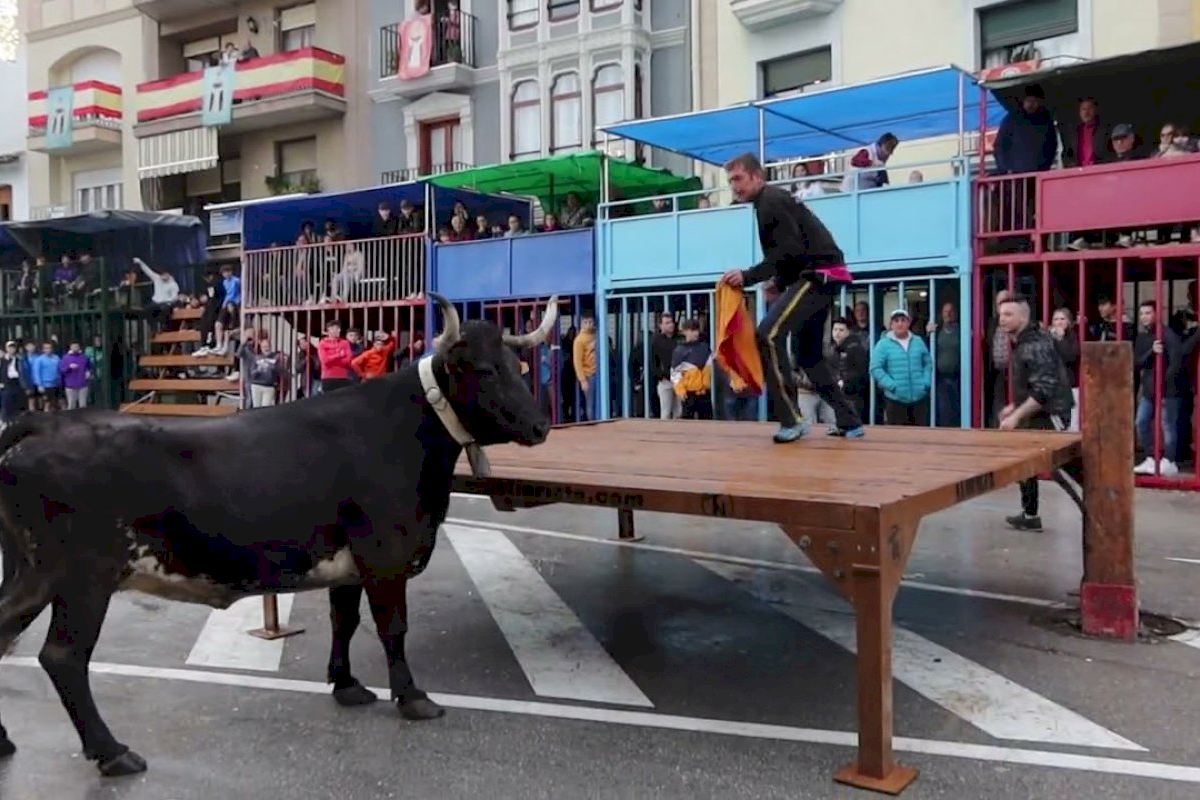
(203,351)
(1167,468)
(1145,468)
(1125,241)
(234,376)
(1078,244)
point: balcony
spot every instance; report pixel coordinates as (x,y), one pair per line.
(416,173)
(282,89)
(95,120)
(451,62)
(537,265)
(759,15)
(172,10)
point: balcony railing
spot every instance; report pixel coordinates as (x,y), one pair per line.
(95,103)
(416,173)
(309,69)
(453,43)
(361,272)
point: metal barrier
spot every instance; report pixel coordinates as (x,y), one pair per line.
(1077,284)
(362,272)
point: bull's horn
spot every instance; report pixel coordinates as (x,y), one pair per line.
(541,334)
(450,324)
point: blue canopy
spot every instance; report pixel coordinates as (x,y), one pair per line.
(915,105)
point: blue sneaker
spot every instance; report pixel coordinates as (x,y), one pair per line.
(849,433)
(786,434)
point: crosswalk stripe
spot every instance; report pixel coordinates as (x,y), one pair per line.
(224,643)
(989,701)
(558,655)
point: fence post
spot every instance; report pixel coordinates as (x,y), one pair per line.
(1108,594)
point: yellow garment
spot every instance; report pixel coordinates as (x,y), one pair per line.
(737,345)
(583,355)
(694,381)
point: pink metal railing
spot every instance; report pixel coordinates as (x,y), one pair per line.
(387,270)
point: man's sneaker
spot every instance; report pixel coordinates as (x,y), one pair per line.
(1023,522)
(202,351)
(234,376)
(849,433)
(791,434)
(1145,468)
(1167,468)
(1079,243)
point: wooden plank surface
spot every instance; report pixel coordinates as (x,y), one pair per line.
(178,410)
(733,469)
(185,361)
(187,313)
(183,385)
(173,337)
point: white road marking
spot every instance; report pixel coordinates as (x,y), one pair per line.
(996,705)
(1189,637)
(645,719)
(558,655)
(1185,560)
(749,562)
(224,643)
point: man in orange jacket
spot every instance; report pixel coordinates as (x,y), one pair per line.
(374,363)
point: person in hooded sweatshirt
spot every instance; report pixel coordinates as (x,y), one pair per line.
(76,370)
(1027,140)
(691,372)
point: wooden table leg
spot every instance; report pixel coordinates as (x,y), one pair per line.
(625,528)
(875,768)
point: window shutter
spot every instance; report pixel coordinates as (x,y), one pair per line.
(1026,21)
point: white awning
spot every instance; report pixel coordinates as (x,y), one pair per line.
(178,152)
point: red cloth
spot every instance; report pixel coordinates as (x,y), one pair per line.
(335,355)
(1087,141)
(838,273)
(737,348)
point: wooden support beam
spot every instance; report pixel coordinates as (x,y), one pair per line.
(1108,594)
(626,531)
(271,628)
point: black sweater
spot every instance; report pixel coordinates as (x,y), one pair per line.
(793,240)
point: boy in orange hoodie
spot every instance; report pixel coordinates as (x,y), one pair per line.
(374,363)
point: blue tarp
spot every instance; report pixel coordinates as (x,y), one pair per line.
(278,222)
(913,106)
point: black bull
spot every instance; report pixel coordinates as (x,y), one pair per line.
(344,490)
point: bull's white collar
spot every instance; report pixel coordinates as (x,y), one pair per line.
(445,412)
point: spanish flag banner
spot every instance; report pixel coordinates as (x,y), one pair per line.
(737,348)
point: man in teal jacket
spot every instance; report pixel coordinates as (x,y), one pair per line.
(901,367)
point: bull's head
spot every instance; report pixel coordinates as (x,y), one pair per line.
(484,377)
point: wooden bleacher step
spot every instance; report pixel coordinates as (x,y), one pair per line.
(183,385)
(179,409)
(160,361)
(187,313)
(176,337)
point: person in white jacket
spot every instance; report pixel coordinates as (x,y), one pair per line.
(165,297)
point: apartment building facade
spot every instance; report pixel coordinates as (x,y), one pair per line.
(139,135)
(14,187)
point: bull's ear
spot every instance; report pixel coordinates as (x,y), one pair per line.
(456,357)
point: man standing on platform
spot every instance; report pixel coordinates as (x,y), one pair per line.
(1042,397)
(807,266)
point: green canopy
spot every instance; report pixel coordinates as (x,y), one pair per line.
(550,180)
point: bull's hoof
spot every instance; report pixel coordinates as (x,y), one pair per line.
(354,695)
(7,748)
(128,763)
(421,708)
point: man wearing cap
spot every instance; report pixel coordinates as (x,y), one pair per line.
(1026,141)
(1124,143)
(901,367)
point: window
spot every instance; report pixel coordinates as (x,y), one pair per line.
(566,110)
(522,14)
(441,146)
(297,161)
(796,72)
(1026,30)
(297,27)
(608,97)
(562,9)
(526,120)
(97,190)
(609,5)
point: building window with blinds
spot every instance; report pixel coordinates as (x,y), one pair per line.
(608,98)
(297,163)
(526,120)
(1028,30)
(297,27)
(566,112)
(796,72)
(523,14)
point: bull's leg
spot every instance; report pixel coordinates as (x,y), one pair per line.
(344,602)
(20,605)
(78,614)
(389,606)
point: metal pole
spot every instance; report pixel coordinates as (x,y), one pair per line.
(962,112)
(762,136)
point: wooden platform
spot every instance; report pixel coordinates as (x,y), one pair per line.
(176,337)
(158,362)
(853,506)
(183,385)
(179,409)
